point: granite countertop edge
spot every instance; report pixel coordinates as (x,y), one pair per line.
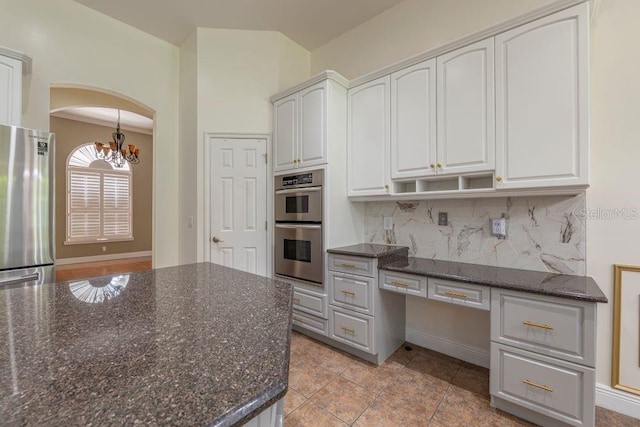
(244,413)
(369,250)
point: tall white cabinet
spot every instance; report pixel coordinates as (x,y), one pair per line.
(10,90)
(368,136)
(542,127)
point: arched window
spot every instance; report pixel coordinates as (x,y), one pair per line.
(98,199)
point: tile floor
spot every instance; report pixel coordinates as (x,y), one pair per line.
(328,387)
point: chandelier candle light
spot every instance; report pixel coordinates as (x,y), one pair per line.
(115,153)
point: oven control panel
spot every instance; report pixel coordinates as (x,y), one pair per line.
(306,179)
(288,181)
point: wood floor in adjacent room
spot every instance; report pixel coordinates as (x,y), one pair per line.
(101,268)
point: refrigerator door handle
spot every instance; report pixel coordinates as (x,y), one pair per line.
(20,279)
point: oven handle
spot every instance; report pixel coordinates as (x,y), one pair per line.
(299,190)
(304,226)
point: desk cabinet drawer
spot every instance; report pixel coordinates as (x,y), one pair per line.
(352,292)
(561,328)
(353,329)
(467,294)
(555,388)
(312,323)
(310,302)
(352,265)
(403,283)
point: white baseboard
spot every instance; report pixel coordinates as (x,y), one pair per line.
(617,400)
(476,356)
(65,261)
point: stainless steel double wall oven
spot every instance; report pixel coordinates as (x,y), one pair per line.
(298,230)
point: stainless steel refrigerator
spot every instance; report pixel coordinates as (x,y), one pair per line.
(27,242)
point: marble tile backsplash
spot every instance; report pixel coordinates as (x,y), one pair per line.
(543,233)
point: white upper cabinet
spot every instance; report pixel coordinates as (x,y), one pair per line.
(368,138)
(542,137)
(413,121)
(466,130)
(10,91)
(300,128)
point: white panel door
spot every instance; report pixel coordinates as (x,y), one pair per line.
(466,127)
(542,100)
(239,204)
(368,138)
(285,133)
(413,121)
(312,103)
(10,91)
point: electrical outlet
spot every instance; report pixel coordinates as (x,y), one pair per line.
(499,227)
(388,223)
(190,221)
(443,218)
(104,249)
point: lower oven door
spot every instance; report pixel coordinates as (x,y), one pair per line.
(299,251)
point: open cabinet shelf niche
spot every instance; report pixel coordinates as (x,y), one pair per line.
(449,184)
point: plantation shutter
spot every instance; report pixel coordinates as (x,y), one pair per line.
(84,205)
(116,208)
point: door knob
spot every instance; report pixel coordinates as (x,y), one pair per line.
(214,239)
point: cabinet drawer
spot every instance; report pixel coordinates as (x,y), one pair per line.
(352,264)
(310,302)
(312,323)
(469,295)
(351,328)
(557,327)
(403,283)
(352,292)
(558,389)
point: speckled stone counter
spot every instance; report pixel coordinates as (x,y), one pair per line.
(372,250)
(197,344)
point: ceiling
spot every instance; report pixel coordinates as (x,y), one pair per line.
(107,117)
(310,23)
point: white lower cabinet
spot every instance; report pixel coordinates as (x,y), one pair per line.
(403,283)
(313,323)
(310,308)
(543,357)
(353,329)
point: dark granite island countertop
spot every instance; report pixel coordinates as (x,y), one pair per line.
(197,344)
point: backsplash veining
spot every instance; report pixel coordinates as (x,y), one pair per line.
(543,233)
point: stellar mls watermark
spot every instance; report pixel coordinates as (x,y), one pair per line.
(607,214)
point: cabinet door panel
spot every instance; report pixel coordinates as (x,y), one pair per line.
(285,133)
(313,125)
(10,91)
(466,130)
(413,120)
(369,138)
(541,100)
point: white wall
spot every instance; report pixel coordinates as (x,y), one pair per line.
(71,44)
(417,25)
(237,73)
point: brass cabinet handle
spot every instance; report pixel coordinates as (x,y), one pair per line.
(299,161)
(353,294)
(296,300)
(537,325)
(439,165)
(432,165)
(543,387)
(351,331)
(348,265)
(297,319)
(398,283)
(456,294)
(498,178)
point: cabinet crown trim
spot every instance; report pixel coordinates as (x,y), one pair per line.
(26,60)
(320,77)
(468,39)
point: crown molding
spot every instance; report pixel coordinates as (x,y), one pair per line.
(26,60)
(324,75)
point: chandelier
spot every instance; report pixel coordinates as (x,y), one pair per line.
(115,152)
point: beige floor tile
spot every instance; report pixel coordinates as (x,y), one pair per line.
(311,415)
(343,399)
(416,392)
(383,413)
(307,378)
(607,418)
(371,377)
(402,355)
(332,359)
(431,363)
(464,408)
(473,378)
(292,400)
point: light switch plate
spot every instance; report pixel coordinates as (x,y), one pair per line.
(388,223)
(499,227)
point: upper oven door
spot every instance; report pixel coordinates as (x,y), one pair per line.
(300,204)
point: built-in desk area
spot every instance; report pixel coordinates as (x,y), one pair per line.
(543,325)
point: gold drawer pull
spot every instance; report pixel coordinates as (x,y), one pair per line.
(456,294)
(351,331)
(398,283)
(296,300)
(537,325)
(297,319)
(353,294)
(543,387)
(348,265)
